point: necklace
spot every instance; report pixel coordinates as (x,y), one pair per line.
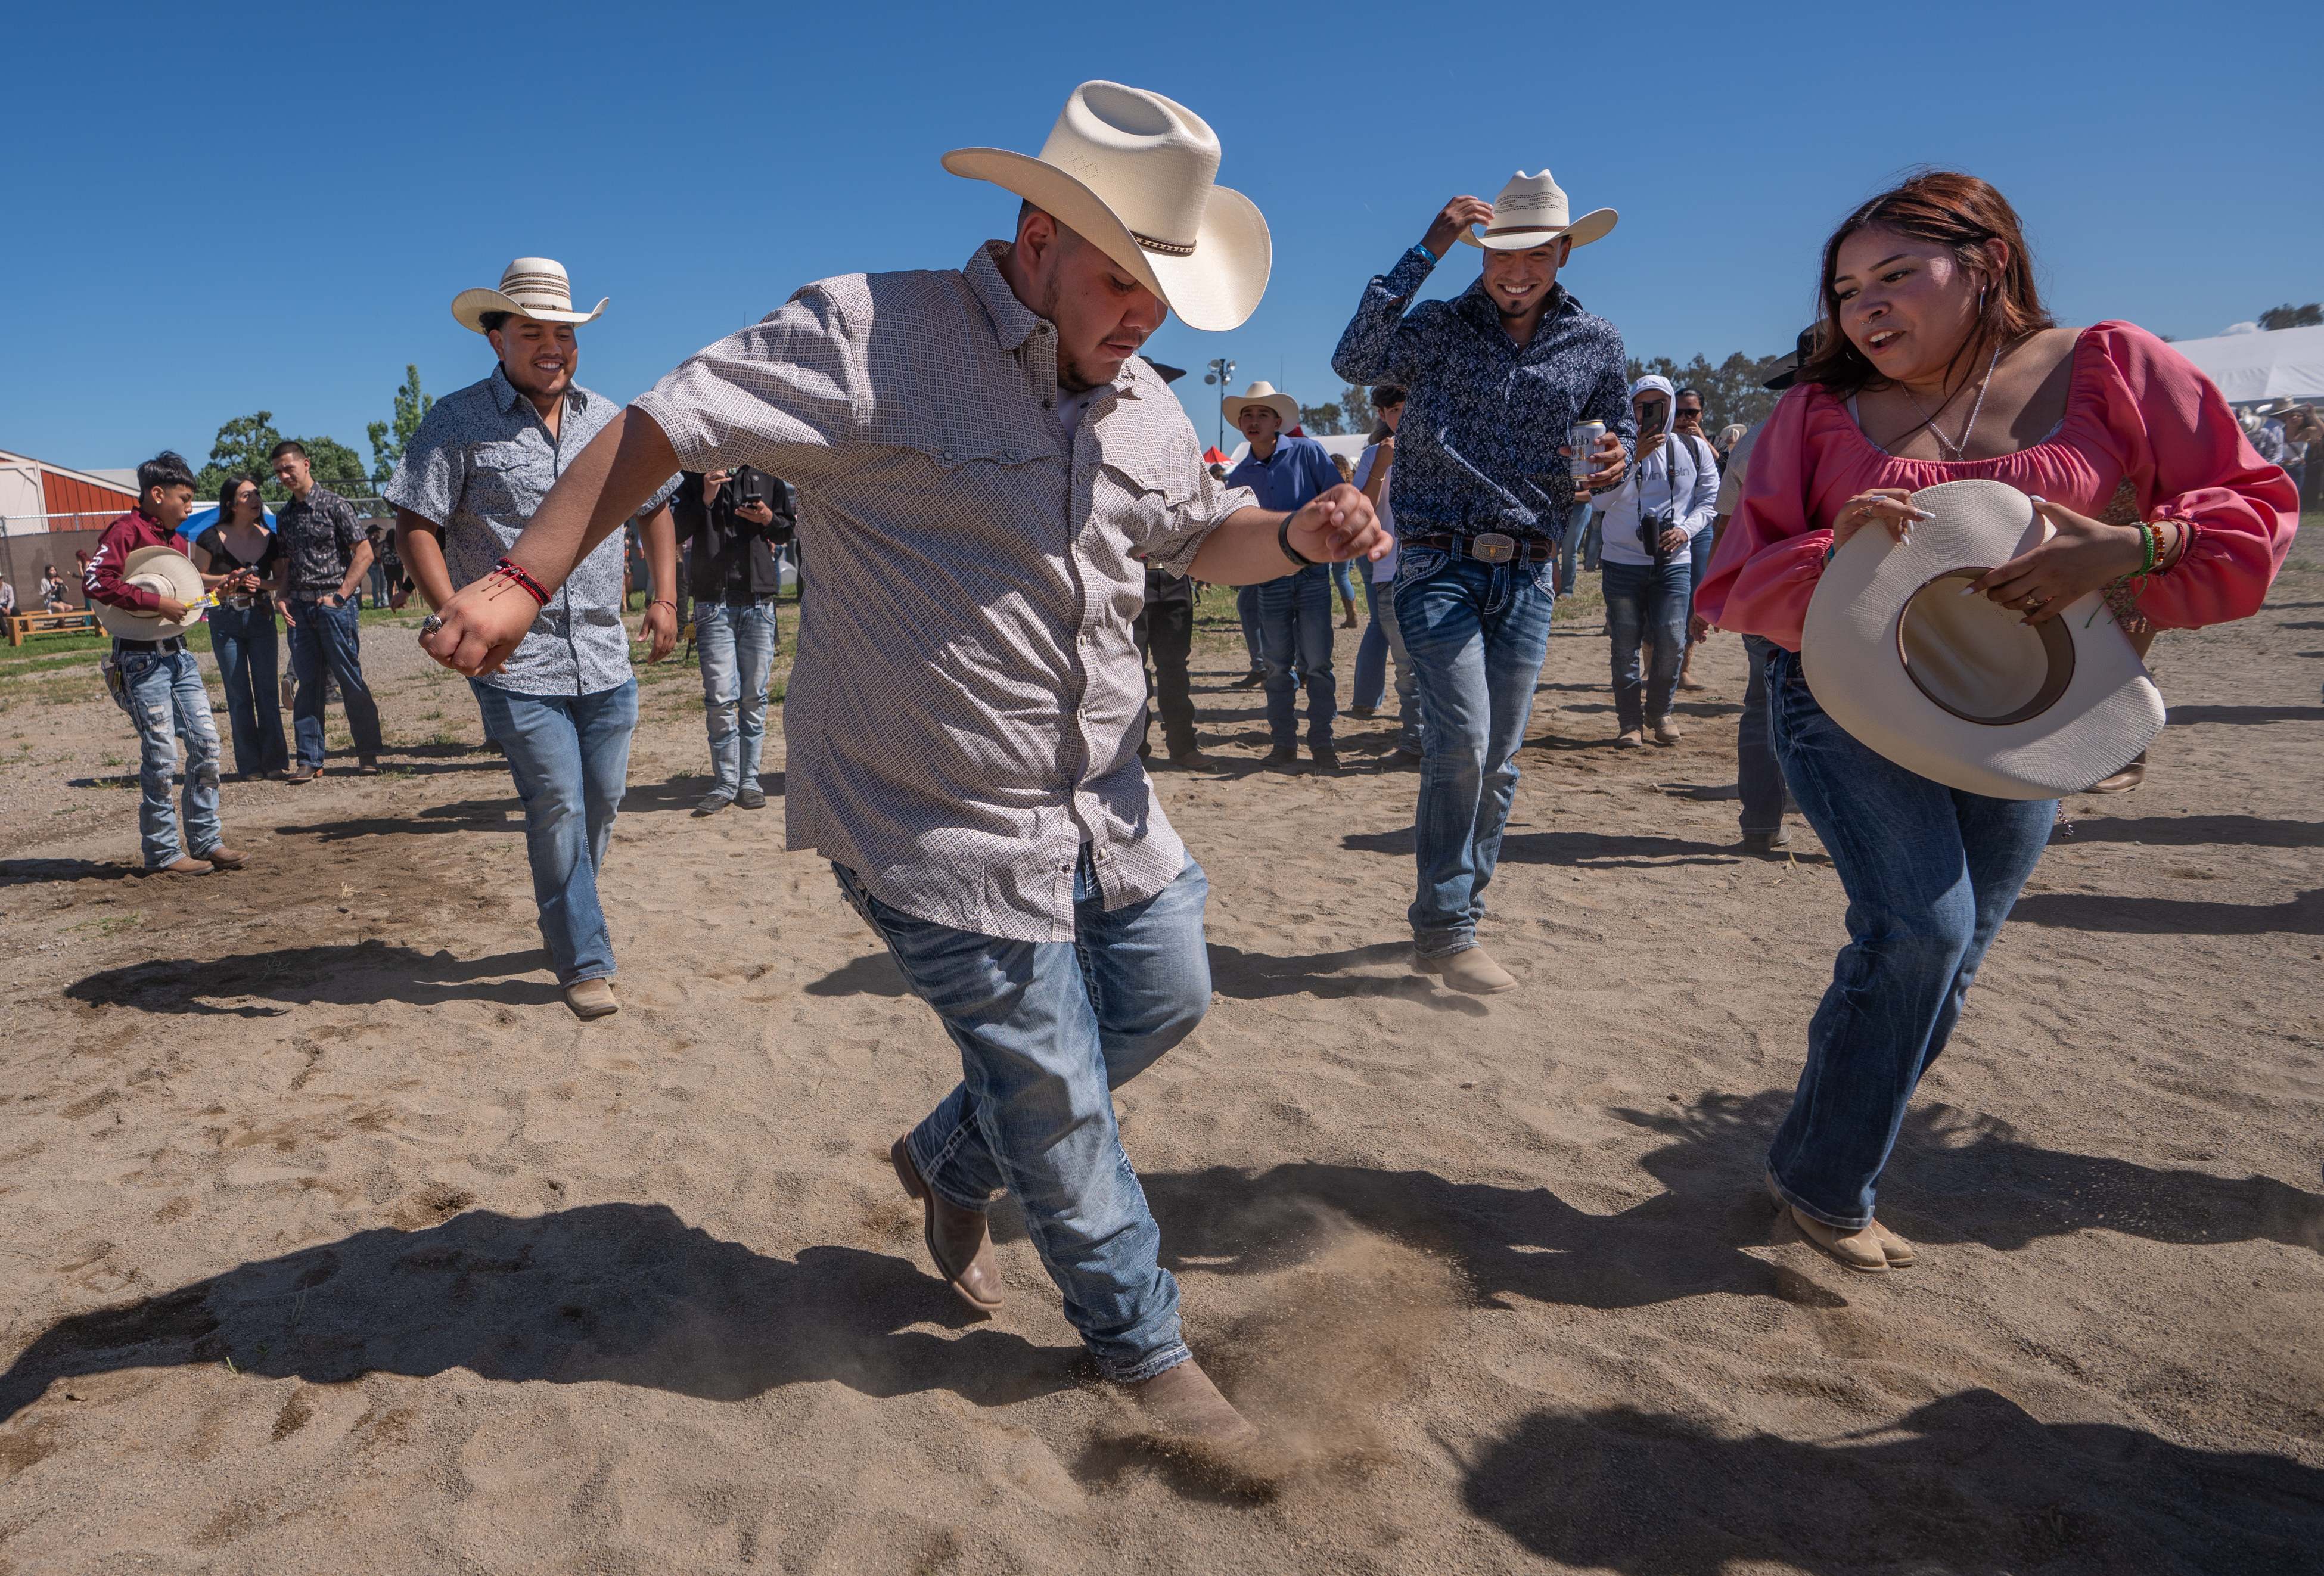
(1961,449)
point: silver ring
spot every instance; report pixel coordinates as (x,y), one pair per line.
(431,623)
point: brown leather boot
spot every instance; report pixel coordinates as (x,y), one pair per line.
(1183,1400)
(955,1236)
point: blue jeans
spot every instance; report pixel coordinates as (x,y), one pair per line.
(1340,578)
(1295,630)
(1383,641)
(1758,775)
(1931,872)
(168,702)
(244,643)
(1582,533)
(571,757)
(1246,609)
(1477,633)
(329,637)
(737,647)
(1643,601)
(1046,1031)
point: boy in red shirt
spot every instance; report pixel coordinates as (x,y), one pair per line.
(161,682)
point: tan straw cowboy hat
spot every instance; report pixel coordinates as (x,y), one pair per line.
(165,572)
(1531,212)
(531,287)
(1131,172)
(1959,688)
(1261,394)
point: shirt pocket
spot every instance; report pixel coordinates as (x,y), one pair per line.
(507,479)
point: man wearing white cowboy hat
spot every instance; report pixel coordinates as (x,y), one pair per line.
(985,467)
(143,587)
(564,705)
(1481,493)
(1295,613)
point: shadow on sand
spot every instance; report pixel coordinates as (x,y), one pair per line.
(623,1293)
(1969,1481)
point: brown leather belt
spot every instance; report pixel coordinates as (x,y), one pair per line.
(1490,547)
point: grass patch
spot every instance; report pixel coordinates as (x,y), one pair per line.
(113,923)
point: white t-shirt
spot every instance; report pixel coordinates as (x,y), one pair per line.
(1385,569)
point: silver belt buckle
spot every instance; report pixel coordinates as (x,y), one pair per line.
(1493,548)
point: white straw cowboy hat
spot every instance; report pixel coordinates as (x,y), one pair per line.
(165,572)
(1531,212)
(1261,394)
(1958,688)
(531,287)
(1131,172)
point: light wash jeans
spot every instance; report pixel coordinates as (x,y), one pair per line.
(1046,1030)
(330,638)
(1383,643)
(1643,603)
(168,702)
(737,647)
(1477,633)
(244,641)
(571,757)
(1582,530)
(1931,872)
(1294,632)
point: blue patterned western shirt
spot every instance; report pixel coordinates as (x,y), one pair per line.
(1473,394)
(479,466)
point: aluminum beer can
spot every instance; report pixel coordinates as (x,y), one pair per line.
(1583,438)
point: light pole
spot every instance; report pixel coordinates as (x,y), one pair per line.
(1221,372)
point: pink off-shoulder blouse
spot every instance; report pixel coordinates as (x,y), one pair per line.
(2137,412)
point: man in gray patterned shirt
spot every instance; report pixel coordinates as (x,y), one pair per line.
(564,705)
(985,468)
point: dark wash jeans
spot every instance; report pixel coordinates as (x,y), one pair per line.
(1294,632)
(1931,872)
(330,638)
(1046,1030)
(1758,775)
(1476,633)
(248,652)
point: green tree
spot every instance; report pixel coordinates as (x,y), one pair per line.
(241,450)
(387,438)
(2291,316)
(1320,420)
(1730,391)
(1356,408)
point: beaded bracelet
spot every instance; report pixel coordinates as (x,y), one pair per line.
(2120,596)
(516,572)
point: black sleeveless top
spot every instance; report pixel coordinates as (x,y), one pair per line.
(213,542)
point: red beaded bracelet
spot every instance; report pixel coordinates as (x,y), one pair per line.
(515,571)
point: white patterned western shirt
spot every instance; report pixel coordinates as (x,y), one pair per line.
(478,467)
(966,706)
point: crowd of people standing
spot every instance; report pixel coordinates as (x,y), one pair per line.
(969,707)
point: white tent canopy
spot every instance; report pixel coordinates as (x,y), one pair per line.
(2284,364)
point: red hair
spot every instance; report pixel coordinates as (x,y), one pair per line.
(1941,207)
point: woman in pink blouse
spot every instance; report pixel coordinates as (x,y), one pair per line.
(1935,363)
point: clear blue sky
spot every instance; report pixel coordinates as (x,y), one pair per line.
(227,207)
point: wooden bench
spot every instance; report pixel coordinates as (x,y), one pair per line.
(48,623)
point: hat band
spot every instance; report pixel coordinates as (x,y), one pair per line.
(1167,248)
(1526,229)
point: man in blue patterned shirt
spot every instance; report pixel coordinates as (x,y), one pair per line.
(565,702)
(1294,612)
(1480,491)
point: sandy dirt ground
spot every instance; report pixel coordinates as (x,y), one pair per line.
(333,1243)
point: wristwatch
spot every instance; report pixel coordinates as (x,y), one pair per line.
(1283,540)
